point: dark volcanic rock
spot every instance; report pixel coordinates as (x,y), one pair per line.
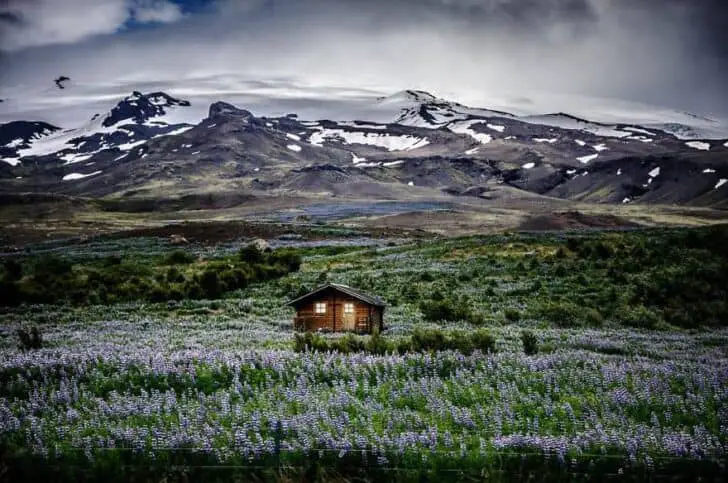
(221,109)
(25,130)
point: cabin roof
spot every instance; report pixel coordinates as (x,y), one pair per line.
(370,299)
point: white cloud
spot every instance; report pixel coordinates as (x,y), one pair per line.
(161,11)
(33,23)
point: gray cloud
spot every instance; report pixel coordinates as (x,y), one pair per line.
(30,23)
(666,52)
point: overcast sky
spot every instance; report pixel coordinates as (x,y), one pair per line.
(671,53)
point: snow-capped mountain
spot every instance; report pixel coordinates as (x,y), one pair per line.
(131,123)
(411,139)
(18,136)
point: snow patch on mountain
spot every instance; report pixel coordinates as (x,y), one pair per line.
(721,183)
(75,176)
(387,141)
(76,158)
(465,128)
(587,159)
(11,161)
(699,145)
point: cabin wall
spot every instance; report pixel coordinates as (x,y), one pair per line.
(333,318)
(377,318)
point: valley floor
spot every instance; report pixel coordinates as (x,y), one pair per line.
(628,378)
(36,218)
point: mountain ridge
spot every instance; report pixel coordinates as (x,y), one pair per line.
(428,143)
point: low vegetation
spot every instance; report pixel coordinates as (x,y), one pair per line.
(432,340)
(511,357)
(111,279)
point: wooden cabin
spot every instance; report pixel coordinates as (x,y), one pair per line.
(338,308)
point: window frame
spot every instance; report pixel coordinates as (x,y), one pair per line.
(349,308)
(319,308)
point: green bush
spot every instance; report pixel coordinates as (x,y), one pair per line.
(30,339)
(530,342)
(421,341)
(428,340)
(13,269)
(444,309)
(512,315)
(179,257)
(483,340)
(640,317)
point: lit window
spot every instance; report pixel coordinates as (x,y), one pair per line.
(320,308)
(349,308)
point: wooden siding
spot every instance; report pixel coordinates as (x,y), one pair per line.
(365,316)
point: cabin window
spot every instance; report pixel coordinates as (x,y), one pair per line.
(348,308)
(320,308)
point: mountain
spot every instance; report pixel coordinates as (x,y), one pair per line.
(413,145)
(132,122)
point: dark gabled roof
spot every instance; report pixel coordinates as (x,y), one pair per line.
(370,299)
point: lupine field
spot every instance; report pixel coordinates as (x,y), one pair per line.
(621,384)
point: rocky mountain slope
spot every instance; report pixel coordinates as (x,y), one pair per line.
(413,144)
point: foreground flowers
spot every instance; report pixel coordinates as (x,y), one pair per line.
(243,406)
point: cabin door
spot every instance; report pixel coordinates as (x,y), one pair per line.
(348,316)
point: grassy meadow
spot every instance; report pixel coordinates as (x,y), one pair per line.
(570,356)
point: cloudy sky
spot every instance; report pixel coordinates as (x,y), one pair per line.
(671,53)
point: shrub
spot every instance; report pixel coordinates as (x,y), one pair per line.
(426,277)
(445,309)
(483,340)
(174,275)
(30,339)
(179,257)
(378,344)
(350,343)
(210,284)
(251,254)
(530,342)
(13,269)
(428,340)
(512,315)
(640,317)
(289,260)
